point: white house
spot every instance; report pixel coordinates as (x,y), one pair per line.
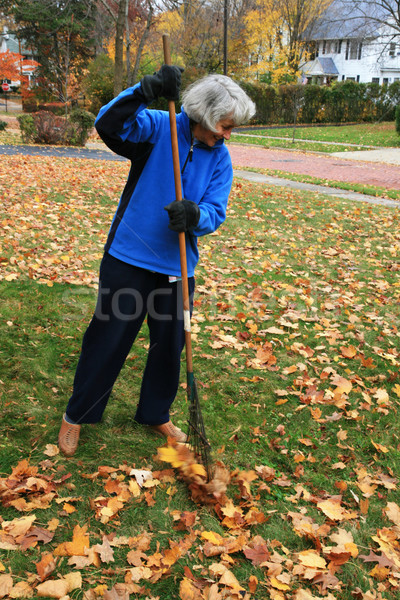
(353,40)
(27,66)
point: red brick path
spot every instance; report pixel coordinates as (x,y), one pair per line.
(324,167)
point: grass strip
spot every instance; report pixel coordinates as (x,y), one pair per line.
(369,190)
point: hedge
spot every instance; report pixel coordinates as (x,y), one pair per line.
(341,102)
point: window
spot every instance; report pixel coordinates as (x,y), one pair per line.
(350,78)
(338,47)
(385,80)
(392,49)
(324,47)
(343,77)
(358,79)
(375,80)
(353,50)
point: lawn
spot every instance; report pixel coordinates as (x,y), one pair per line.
(296,352)
(324,139)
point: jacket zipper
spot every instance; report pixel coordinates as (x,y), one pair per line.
(189,156)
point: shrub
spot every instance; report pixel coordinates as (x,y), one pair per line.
(27,127)
(3,125)
(51,129)
(314,100)
(398,119)
(44,127)
(84,121)
(99,82)
(265,98)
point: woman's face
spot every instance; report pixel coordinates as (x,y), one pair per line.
(210,138)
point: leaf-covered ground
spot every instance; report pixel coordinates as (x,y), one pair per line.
(297,356)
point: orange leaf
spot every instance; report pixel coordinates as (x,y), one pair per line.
(253,583)
(45,566)
(187,591)
(80,542)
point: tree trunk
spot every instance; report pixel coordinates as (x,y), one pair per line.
(119,48)
(134,73)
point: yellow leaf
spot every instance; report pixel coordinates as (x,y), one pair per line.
(212,537)
(134,488)
(380,447)
(393,512)
(22,589)
(230,580)
(74,580)
(169,455)
(198,470)
(6,584)
(343,386)
(20,526)
(54,588)
(380,573)
(138,573)
(333,510)
(311,558)
(51,450)
(278,585)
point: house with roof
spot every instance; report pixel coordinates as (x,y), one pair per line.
(352,41)
(27,66)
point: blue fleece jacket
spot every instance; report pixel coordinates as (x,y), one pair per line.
(139,233)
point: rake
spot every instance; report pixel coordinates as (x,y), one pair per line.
(197,438)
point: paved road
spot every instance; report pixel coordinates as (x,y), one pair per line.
(62,151)
(318,165)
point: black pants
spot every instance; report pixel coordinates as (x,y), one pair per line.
(126,295)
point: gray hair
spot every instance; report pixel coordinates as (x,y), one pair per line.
(214,98)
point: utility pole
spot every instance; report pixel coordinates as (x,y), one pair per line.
(225,37)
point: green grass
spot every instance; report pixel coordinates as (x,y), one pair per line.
(299,274)
(324,139)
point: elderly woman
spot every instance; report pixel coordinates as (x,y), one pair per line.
(140,269)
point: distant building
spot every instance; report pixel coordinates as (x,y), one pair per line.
(27,65)
(349,43)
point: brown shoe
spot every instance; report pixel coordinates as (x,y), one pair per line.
(68,437)
(170,430)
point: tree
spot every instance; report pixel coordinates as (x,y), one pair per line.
(273,42)
(10,65)
(132,21)
(59,32)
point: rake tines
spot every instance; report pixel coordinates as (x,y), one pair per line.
(197,435)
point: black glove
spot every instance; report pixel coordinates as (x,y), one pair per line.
(183,215)
(166,82)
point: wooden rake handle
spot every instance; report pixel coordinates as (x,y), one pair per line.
(178,197)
